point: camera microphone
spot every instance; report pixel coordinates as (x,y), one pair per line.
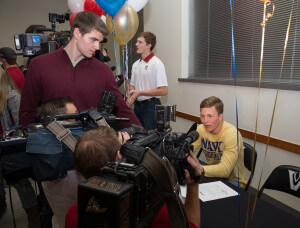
(191,137)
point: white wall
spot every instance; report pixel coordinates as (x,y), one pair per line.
(168,19)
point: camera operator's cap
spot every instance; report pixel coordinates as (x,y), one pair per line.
(7,53)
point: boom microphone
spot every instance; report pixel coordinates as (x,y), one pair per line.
(191,137)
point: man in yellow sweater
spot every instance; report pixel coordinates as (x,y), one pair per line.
(221,143)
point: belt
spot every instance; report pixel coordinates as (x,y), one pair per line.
(145,101)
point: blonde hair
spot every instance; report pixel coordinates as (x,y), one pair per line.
(6,83)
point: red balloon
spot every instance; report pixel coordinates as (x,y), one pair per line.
(72,17)
(91,5)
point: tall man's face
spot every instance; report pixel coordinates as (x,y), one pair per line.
(211,120)
(88,43)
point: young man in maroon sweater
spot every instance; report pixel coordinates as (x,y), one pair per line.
(72,71)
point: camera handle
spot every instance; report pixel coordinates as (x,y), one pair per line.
(164,174)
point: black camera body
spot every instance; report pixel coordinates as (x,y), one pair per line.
(126,198)
(38,43)
(138,197)
(18,162)
(30,43)
(60,18)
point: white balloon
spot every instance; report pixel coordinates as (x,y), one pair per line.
(103,18)
(137,5)
(76,5)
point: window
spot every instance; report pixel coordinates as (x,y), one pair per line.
(212,43)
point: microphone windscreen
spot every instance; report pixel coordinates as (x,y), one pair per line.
(192,137)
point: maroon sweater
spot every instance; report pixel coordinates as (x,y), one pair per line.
(52,75)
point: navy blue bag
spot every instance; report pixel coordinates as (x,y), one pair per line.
(50,157)
(39,155)
(15,163)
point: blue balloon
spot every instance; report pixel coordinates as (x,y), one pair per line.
(111,7)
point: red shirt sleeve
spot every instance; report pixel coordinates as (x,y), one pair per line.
(71,217)
(162,219)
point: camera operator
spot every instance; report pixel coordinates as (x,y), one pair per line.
(62,193)
(56,106)
(52,189)
(98,146)
(71,71)
(35,28)
(93,150)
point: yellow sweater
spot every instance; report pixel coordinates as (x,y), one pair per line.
(224,158)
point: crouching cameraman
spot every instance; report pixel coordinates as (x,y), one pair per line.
(101,145)
(61,193)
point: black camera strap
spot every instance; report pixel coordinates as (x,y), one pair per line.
(164,174)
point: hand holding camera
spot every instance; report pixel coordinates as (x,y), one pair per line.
(197,169)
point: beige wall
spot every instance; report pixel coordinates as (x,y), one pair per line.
(168,19)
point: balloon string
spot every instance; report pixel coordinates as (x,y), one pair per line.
(125,58)
(294,46)
(125,77)
(236,106)
(114,33)
(263,24)
(275,102)
(261,59)
(259,81)
(126,61)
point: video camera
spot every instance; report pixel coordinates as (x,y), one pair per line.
(18,162)
(89,119)
(37,43)
(126,195)
(53,18)
(30,43)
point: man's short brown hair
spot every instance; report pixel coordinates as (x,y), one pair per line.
(213,101)
(12,60)
(94,149)
(150,38)
(86,22)
(53,107)
(9,55)
(31,28)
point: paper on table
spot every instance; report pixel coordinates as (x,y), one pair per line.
(212,191)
